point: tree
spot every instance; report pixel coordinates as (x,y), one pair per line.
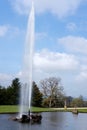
(68,100)
(3,96)
(13,92)
(52,89)
(36,96)
(77,102)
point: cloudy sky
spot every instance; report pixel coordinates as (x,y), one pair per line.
(60,41)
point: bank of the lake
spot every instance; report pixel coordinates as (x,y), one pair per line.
(15,109)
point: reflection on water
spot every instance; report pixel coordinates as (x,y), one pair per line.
(50,121)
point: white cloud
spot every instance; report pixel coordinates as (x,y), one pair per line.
(74,44)
(53,61)
(3,30)
(21,6)
(82,76)
(60,8)
(50,63)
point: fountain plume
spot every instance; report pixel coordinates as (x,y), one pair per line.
(26,88)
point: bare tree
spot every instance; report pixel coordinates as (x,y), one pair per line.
(51,88)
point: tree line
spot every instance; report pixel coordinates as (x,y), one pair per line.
(75,102)
(49,93)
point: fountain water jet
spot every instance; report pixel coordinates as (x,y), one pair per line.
(26,89)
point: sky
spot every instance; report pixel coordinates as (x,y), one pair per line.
(60,48)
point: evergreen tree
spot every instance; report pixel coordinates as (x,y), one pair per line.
(3,96)
(36,96)
(13,92)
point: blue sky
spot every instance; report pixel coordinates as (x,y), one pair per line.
(60,41)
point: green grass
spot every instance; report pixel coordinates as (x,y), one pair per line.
(9,109)
(15,109)
(82,110)
(39,109)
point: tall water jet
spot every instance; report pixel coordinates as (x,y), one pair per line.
(26,89)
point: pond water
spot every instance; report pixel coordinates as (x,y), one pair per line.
(50,121)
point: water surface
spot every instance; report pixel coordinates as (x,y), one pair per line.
(50,121)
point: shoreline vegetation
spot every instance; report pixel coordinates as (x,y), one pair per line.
(15,109)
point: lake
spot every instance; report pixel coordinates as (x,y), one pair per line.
(50,121)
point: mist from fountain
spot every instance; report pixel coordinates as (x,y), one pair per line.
(26,88)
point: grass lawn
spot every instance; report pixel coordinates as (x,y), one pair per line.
(82,110)
(9,108)
(15,109)
(39,109)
